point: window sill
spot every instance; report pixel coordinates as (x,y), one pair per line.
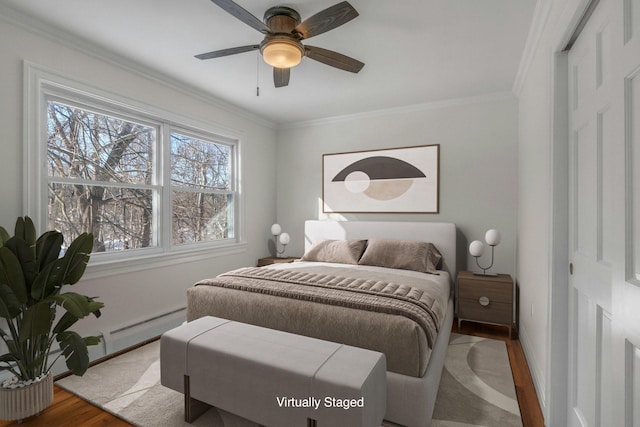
(103,268)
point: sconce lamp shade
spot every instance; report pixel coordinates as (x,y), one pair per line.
(476,248)
(492,237)
(276,229)
(285,239)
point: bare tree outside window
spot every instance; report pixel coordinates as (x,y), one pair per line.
(100,172)
(201,190)
(102,178)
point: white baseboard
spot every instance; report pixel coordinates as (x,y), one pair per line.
(132,333)
(538,377)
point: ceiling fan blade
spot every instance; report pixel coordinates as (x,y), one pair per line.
(227,52)
(281,76)
(326,20)
(243,15)
(333,59)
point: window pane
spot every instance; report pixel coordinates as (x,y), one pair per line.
(200,217)
(96,147)
(119,218)
(199,164)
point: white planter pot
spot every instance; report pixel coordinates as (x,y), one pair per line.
(21,403)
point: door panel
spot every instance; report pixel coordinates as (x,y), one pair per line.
(627,288)
(606,213)
(591,221)
(633,174)
(604,218)
(583,389)
(604,413)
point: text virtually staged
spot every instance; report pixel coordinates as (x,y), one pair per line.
(315,402)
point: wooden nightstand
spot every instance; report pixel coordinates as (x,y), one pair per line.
(273,260)
(485,299)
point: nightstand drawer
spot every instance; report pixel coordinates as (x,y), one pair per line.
(487,299)
(496,291)
(492,312)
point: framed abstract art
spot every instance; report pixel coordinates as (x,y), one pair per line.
(395,180)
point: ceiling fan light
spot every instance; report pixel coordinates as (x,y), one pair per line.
(282,54)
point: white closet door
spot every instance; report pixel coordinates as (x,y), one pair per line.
(604,206)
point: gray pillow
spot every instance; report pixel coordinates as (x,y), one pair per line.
(341,251)
(402,254)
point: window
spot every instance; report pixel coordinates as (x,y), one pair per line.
(100,173)
(202,196)
(143,182)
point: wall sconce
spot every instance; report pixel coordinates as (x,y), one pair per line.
(476,249)
(284,239)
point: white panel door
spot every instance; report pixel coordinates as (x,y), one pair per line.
(604,221)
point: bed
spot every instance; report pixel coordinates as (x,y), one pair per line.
(343,303)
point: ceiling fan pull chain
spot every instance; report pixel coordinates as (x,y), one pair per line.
(257,73)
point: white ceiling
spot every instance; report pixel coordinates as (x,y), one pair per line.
(415,51)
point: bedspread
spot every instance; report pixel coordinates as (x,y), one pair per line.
(360,293)
(405,340)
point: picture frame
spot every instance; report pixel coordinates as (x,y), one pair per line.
(393,180)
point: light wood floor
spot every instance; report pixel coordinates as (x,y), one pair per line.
(69,410)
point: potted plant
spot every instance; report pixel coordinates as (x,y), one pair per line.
(32,275)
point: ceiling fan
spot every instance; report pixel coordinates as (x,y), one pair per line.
(281,47)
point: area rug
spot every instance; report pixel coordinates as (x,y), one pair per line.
(476,389)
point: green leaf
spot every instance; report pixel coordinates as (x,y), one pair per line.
(66,321)
(9,304)
(76,258)
(4,236)
(75,352)
(95,306)
(37,320)
(25,230)
(11,274)
(91,340)
(29,232)
(47,282)
(48,248)
(26,257)
(77,305)
(19,229)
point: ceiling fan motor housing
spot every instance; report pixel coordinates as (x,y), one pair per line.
(281,19)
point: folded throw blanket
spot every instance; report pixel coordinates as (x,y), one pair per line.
(365,294)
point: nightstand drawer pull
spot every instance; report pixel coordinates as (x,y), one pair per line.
(484,301)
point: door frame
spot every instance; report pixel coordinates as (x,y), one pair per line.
(557,381)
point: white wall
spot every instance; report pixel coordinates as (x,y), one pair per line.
(137,296)
(533,217)
(478,179)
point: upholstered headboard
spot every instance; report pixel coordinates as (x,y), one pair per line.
(441,234)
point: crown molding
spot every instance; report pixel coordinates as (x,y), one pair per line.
(492,97)
(63,37)
(538,24)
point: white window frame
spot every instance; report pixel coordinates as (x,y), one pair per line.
(42,86)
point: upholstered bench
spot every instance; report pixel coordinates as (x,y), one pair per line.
(271,377)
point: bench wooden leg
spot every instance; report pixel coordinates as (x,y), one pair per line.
(193,408)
